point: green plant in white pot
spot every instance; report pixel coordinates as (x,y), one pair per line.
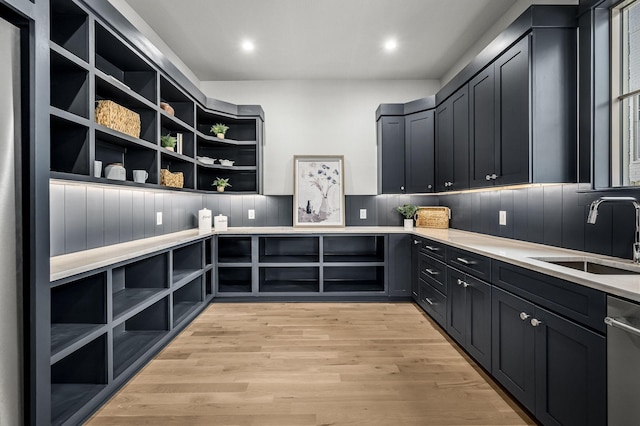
(221,183)
(168,141)
(408,211)
(219,130)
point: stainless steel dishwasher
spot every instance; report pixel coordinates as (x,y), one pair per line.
(623,361)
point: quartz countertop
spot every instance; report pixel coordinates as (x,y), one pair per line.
(515,252)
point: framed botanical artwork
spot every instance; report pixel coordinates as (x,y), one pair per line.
(318,191)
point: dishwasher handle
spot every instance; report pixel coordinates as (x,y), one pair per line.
(622,324)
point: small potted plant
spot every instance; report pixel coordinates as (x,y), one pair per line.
(219,130)
(408,211)
(221,183)
(168,142)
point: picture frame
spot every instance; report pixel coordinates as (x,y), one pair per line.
(318,191)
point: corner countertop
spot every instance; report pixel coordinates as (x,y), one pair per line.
(515,252)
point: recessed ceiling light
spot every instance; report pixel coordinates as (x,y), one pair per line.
(248,46)
(390,45)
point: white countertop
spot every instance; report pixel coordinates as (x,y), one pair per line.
(518,253)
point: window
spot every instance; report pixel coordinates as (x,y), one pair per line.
(625,77)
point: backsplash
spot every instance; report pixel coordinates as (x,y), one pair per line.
(90,216)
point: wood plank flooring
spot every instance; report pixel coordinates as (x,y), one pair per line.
(280,364)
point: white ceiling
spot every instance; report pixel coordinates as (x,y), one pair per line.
(320,39)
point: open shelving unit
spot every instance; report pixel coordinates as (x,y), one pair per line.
(92,62)
(106,323)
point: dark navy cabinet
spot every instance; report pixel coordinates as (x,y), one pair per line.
(481,128)
(391,155)
(452,142)
(419,152)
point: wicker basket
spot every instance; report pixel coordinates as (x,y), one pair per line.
(167,108)
(174,180)
(433,217)
(117,117)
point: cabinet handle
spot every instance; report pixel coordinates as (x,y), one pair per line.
(429,186)
(431,248)
(414,293)
(494,176)
(431,271)
(535,322)
(524,316)
(402,188)
(426,299)
(465,261)
(416,242)
(465,284)
(488,177)
(460,281)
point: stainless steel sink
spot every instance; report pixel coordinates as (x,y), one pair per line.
(593,266)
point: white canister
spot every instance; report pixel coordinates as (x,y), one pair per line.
(220,223)
(408,224)
(204,221)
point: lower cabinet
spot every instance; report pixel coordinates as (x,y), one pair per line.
(553,366)
(433,302)
(469,315)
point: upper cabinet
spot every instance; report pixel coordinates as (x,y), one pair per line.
(406,147)
(522,116)
(144,107)
(452,142)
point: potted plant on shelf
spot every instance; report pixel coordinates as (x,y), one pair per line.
(408,211)
(168,142)
(219,130)
(221,183)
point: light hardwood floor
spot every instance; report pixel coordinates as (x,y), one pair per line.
(283,364)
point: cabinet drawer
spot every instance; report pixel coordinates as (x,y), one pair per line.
(433,249)
(582,304)
(471,263)
(434,303)
(434,273)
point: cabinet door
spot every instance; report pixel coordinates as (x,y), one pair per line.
(391,155)
(460,129)
(444,146)
(478,321)
(419,152)
(456,306)
(400,276)
(512,345)
(481,129)
(570,372)
(416,244)
(512,115)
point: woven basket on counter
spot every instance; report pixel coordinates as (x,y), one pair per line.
(117,117)
(174,180)
(433,217)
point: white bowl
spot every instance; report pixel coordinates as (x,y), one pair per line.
(226,162)
(206,160)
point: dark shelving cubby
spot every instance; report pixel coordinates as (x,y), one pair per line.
(353,279)
(136,283)
(69,147)
(186,261)
(354,248)
(169,127)
(240,180)
(289,280)
(77,378)
(78,308)
(69,86)
(134,337)
(208,252)
(182,104)
(234,249)
(240,129)
(175,164)
(289,249)
(110,148)
(209,282)
(186,299)
(234,279)
(70,27)
(148,116)
(242,155)
(118,60)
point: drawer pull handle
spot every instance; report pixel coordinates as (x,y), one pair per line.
(465,261)
(431,272)
(416,242)
(462,283)
(426,299)
(524,316)
(432,248)
(535,322)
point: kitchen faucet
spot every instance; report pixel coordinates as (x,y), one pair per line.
(593,216)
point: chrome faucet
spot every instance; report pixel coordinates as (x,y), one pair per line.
(593,216)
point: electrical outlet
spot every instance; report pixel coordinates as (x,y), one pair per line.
(251,213)
(363,213)
(503,218)
(158,218)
